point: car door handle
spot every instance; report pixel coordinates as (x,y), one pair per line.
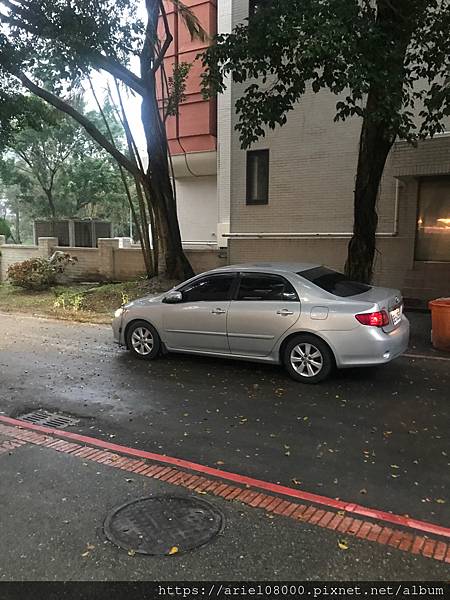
(218,311)
(284,312)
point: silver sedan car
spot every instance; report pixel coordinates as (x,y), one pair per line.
(307,317)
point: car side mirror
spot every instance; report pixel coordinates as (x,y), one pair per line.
(173,297)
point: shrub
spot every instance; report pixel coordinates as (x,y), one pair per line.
(39,273)
(69,301)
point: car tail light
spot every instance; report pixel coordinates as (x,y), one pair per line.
(375,319)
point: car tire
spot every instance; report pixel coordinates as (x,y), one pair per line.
(308,359)
(143,340)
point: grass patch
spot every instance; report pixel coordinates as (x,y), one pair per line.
(79,302)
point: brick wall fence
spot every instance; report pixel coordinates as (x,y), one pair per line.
(108,262)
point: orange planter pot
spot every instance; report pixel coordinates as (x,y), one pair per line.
(440,319)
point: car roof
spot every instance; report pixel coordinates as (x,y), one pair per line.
(267,267)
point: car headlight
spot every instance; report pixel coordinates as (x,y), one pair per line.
(118,312)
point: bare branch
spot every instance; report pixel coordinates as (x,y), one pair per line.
(168,39)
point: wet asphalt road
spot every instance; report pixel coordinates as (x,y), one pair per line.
(52,508)
(378,436)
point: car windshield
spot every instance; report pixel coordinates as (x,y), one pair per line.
(334,282)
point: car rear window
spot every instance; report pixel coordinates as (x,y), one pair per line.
(334,282)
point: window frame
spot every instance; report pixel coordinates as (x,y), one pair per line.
(259,201)
(420,184)
(243,274)
(231,275)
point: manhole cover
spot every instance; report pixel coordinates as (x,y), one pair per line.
(43,417)
(163,525)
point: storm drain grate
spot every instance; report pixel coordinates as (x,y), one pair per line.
(43,417)
(163,525)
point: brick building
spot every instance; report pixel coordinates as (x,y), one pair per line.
(291,196)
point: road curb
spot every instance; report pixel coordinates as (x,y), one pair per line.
(339,519)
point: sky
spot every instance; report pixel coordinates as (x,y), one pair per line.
(132,103)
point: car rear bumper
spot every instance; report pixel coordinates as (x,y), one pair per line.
(372,346)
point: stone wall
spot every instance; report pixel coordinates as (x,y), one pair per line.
(108,262)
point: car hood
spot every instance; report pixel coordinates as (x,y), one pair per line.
(145,301)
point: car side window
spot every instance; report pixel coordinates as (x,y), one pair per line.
(260,287)
(216,288)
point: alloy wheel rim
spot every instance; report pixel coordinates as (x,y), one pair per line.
(142,341)
(306,360)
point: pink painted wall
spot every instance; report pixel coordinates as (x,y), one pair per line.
(194,129)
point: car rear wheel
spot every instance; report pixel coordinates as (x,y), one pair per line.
(143,340)
(308,359)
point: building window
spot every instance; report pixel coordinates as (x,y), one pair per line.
(258,177)
(433,220)
(255,6)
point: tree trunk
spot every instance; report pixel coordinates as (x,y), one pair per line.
(158,179)
(51,203)
(374,147)
(379,130)
(177,265)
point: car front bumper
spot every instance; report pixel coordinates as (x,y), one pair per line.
(117,330)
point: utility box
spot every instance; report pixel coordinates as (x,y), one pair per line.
(82,233)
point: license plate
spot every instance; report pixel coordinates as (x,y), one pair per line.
(396,315)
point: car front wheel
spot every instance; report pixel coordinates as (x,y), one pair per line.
(143,340)
(308,359)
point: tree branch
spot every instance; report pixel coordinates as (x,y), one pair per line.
(168,40)
(35,26)
(114,68)
(95,133)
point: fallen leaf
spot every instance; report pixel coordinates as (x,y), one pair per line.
(90,547)
(131,552)
(85,554)
(173,550)
(296,481)
(395,467)
(343,544)
(440,500)
(219,462)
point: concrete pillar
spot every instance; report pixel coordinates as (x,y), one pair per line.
(46,246)
(106,247)
(72,243)
(225,133)
(2,241)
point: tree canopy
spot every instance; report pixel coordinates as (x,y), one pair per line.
(62,42)
(291,46)
(387,62)
(55,170)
